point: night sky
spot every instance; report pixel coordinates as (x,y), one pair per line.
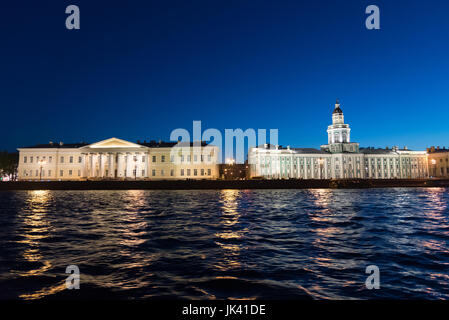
(139,69)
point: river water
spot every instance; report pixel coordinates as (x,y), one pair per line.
(254,244)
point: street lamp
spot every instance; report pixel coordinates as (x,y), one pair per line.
(41,163)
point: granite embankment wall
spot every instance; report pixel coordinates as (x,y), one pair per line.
(220,184)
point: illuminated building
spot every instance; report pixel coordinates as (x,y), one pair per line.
(339,159)
(438,161)
(117,159)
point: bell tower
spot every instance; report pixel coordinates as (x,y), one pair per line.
(338,131)
(339,134)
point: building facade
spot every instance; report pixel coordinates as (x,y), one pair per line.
(438,162)
(117,159)
(339,159)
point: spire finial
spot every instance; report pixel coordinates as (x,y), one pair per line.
(337,103)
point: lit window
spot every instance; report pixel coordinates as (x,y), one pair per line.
(154,158)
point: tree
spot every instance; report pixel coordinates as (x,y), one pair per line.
(9,162)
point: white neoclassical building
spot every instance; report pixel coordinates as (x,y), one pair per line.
(339,159)
(117,159)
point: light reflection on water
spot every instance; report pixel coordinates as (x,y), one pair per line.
(225,244)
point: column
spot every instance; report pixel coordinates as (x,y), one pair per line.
(100,165)
(91,160)
(111,165)
(119,165)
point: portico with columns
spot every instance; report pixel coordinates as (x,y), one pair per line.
(115,159)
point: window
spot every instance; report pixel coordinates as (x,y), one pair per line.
(31,159)
(202,172)
(188,172)
(162,172)
(162,158)
(49,159)
(209,158)
(182,158)
(195,172)
(62,160)
(188,158)
(80,159)
(172,159)
(182,172)
(209,172)
(172,172)
(143,173)
(24,159)
(154,158)
(71,159)
(153,172)
(70,172)
(37,173)
(202,158)
(143,158)
(49,172)
(195,158)
(61,173)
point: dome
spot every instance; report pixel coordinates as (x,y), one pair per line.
(337,108)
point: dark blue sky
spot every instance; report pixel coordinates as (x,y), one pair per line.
(138,69)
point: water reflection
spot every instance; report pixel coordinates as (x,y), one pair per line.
(229,243)
(35,228)
(231,232)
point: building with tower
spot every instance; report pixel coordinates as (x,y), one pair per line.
(338,159)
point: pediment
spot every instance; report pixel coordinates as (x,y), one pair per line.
(113,143)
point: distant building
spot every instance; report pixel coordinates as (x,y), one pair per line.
(117,159)
(234,171)
(438,161)
(339,159)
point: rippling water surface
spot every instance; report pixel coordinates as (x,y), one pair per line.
(256,244)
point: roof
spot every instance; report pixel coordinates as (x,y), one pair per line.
(337,108)
(310,150)
(370,150)
(57,145)
(163,144)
